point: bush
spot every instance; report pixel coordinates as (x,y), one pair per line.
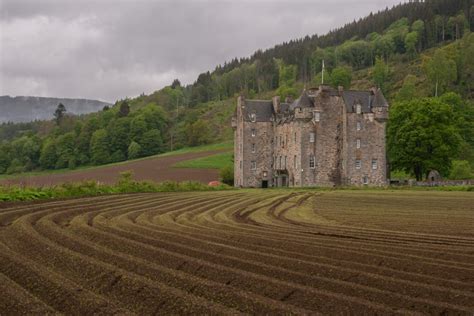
(227,175)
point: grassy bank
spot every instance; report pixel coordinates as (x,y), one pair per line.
(217,161)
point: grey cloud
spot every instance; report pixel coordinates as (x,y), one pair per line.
(112,49)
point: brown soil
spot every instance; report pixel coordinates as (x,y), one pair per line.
(229,252)
(156,169)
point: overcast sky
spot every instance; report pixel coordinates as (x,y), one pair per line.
(110,49)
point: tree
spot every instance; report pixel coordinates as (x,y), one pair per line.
(197,133)
(422,135)
(461,170)
(134,150)
(440,70)
(408,89)
(65,148)
(124,109)
(118,132)
(341,76)
(380,74)
(4,158)
(48,155)
(419,27)
(59,113)
(151,143)
(176,84)
(99,148)
(411,40)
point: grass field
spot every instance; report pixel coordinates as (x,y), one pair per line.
(217,161)
(241,251)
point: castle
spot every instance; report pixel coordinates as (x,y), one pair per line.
(327,137)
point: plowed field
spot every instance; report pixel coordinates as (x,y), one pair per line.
(231,252)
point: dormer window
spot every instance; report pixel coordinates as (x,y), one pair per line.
(253,117)
(358,109)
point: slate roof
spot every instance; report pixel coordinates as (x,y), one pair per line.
(262,108)
(364,98)
(302,102)
(379,99)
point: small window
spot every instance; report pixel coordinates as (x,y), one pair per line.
(254,132)
(358,143)
(253,165)
(281,162)
(253,117)
(264,174)
(358,109)
(241,164)
(284,162)
(358,164)
(374,164)
(253,148)
(316,116)
(359,126)
(294,162)
(311,137)
(365,180)
(295,137)
(312,164)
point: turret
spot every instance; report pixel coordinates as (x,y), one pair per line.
(380,106)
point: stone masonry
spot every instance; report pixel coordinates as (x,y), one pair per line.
(326,137)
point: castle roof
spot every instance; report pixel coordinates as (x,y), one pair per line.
(379,99)
(263,110)
(352,98)
(302,102)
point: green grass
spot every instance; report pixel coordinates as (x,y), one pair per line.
(217,161)
(229,145)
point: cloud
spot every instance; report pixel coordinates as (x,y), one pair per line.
(108,49)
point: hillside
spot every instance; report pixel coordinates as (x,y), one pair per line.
(392,49)
(26,108)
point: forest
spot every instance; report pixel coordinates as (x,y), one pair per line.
(420,53)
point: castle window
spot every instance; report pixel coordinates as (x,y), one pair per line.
(359,126)
(241,164)
(295,137)
(253,147)
(358,109)
(284,162)
(311,137)
(294,162)
(254,132)
(365,180)
(312,163)
(374,164)
(358,164)
(280,163)
(316,116)
(358,143)
(253,165)
(253,117)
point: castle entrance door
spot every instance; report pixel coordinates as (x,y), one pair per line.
(282,180)
(265,184)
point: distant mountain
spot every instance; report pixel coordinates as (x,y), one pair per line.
(26,109)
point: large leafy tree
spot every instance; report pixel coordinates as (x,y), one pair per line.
(422,135)
(341,76)
(441,70)
(100,152)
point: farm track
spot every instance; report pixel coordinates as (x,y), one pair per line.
(250,252)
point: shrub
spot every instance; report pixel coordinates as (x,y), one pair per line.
(227,175)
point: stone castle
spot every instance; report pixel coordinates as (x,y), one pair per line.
(326,137)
